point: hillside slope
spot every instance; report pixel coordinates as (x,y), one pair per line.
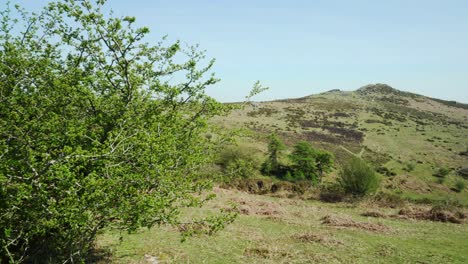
(407,137)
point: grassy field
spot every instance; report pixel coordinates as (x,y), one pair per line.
(282,230)
(406,137)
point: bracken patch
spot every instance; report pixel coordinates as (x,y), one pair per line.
(434,214)
(349,223)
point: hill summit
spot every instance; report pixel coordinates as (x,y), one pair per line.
(384,89)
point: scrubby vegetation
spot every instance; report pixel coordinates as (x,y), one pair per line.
(358,178)
(459,185)
(309,163)
(238,162)
(275,147)
(97,142)
(92,132)
(306,162)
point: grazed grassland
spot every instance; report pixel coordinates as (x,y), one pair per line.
(282,230)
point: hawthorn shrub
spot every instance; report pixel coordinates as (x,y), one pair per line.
(94,131)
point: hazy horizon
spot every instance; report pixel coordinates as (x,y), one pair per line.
(298,48)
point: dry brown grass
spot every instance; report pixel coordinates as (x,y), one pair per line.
(374,214)
(323,239)
(346,222)
(433,214)
(254,207)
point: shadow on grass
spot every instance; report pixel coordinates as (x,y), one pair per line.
(100,255)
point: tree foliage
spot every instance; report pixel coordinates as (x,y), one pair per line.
(275,146)
(237,162)
(310,163)
(94,131)
(358,178)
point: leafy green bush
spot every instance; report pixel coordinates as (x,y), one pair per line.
(94,132)
(310,163)
(358,178)
(442,172)
(271,165)
(238,162)
(409,167)
(459,185)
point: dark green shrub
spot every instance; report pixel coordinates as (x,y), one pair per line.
(409,167)
(459,185)
(288,176)
(358,178)
(275,147)
(303,161)
(442,172)
(385,171)
(238,162)
(310,163)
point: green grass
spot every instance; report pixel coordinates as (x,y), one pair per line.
(422,132)
(274,239)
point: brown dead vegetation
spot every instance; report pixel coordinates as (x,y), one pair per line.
(317,238)
(341,221)
(281,189)
(405,182)
(385,200)
(374,214)
(436,214)
(251,207)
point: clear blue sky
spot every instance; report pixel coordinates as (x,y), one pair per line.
(304,47)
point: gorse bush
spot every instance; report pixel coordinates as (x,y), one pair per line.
(358,178)
(94,132)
